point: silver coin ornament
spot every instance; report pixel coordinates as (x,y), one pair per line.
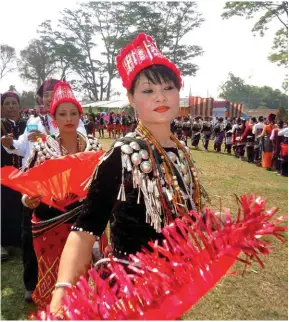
(187,179)
(130,135)
(181,154)
(117,144)
(146,167)
(48,156)
(42,145)
(172,156)
(40,153)
(44,151)
(135,146)
(126,149)
(94,146)
(136,158)
(90,141)
(144,154)
(184,169)
(42,159)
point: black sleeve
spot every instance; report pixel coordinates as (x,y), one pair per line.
(102,195)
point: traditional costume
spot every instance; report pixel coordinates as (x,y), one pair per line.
(196,133)
(138,192)
(43,123)
(140,186)
(178,125)
(206,134)
(110,125)
(49,242)
(219,131)
(238,145)
(11,206)
(277,141)
(257,130)
(249,138)
(267,158)
(187,130)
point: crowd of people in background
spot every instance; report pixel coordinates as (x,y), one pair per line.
(261,141)
(116,124)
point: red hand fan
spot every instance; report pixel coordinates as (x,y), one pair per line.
(165,283)
(60,181)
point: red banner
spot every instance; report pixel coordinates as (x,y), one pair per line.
(204,107)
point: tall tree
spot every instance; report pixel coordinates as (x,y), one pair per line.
(108,26)
(237,91)
(37,62)
(79,30)
(7,60)
(168,23)
(64,50)
(111,22)
(12,88)
(28,100)
(273,10)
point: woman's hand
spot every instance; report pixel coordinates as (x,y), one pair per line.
(55,305)
(31,202)
(7,141)
(34,135)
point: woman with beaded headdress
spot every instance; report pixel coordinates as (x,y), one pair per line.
(145,180)
(48,244)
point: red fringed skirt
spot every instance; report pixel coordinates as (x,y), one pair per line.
(48,248)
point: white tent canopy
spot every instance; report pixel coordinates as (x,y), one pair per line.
(108,104)
(121,104)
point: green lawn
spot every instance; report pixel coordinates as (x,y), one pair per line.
(261,295)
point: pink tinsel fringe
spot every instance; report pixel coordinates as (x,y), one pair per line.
(165,283)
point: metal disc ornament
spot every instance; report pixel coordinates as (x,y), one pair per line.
(118,143)
(172,156)
(135,146)
(146,167)
(144,154)
(136,158)
(130,135)
(126,149)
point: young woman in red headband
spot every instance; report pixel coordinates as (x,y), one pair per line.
(145,180)
(66,112)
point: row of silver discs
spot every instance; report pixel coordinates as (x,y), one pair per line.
(139,157)
(51,149)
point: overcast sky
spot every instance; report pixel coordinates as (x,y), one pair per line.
(229,45)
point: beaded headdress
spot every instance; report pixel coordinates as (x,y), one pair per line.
(63,94)
(48,85)
(140,54)
(9,94)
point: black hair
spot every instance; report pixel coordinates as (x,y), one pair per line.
(260,118)
(157,74)
(228,126)
(254,119)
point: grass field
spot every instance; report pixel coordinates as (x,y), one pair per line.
(261,295)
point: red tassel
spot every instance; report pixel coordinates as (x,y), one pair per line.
(165,283)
